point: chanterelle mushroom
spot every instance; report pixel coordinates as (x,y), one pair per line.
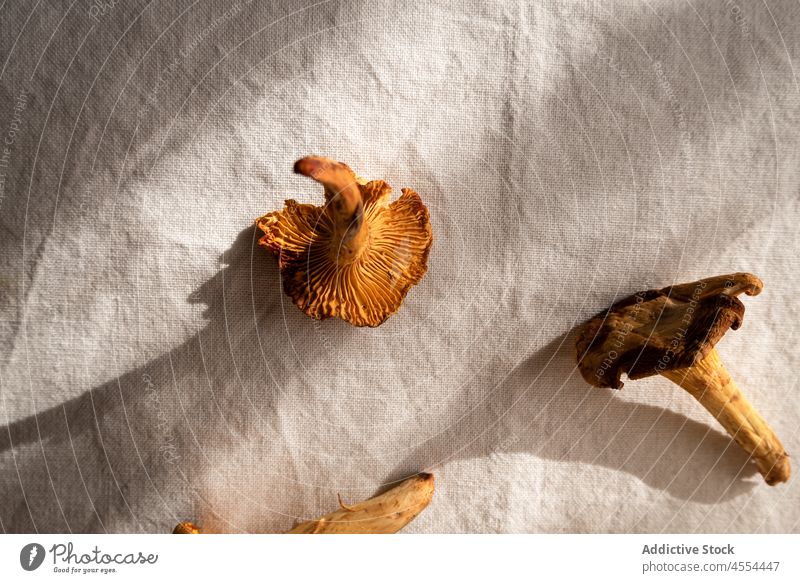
(386,513)
(357,256)
(672,332)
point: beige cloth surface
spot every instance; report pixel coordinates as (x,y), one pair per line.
(570,153)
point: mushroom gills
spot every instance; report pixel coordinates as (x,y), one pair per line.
(354,258)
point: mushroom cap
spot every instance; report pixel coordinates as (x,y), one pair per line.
(662,329)
(364,288)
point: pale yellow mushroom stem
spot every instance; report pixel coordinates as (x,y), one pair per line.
(709,383)
(383,514)
(386,513)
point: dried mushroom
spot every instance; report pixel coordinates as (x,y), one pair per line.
(354,258)
(673,332)
(185,528)
(386,513)
(383,514)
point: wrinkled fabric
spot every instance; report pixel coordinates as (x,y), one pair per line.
(570,154)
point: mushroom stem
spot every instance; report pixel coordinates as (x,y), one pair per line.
(386,513)
(345,205)
(383,514)
(709,383)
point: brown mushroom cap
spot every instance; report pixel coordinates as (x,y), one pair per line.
(663,329)
(354,258)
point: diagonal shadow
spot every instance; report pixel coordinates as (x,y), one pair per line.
(139,81)
(130,448)
(128,451)
(546,409)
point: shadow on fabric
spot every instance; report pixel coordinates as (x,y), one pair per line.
(130,449)
(544,408)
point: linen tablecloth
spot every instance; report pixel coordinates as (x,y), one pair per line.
(570,153)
